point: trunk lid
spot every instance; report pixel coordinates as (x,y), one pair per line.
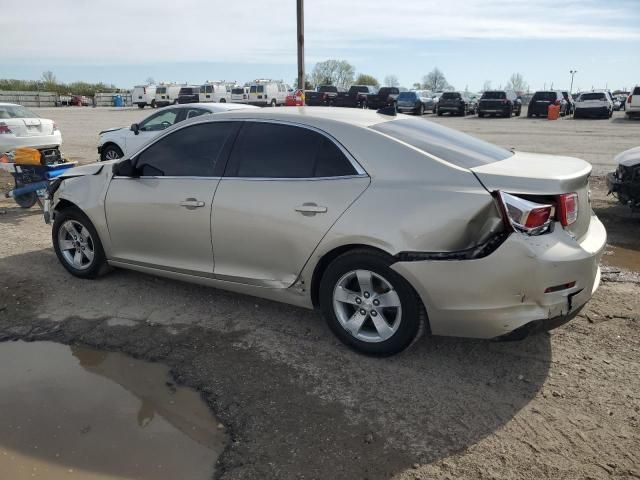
(541,175)
(29,127)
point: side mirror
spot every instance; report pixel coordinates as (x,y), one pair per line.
(135,128)
(124,168)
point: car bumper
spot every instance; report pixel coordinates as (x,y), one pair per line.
(493,296)
(408,108)
(592,111)
(632,112)
(493,110)
(11,142)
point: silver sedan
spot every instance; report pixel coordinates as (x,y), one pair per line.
(391,225)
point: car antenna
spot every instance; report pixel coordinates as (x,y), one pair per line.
(391,111)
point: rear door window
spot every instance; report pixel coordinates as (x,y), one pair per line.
(271,150)
(450,145)
(191,151)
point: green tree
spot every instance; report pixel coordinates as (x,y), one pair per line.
(364,79)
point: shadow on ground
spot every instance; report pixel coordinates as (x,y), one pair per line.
(295,401)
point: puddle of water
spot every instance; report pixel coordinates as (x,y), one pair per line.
(622,257)
(79,414)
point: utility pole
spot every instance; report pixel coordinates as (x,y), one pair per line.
(572,73)
(300,22)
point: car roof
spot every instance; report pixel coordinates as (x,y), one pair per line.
(10,105)
(310,115)
(212,107)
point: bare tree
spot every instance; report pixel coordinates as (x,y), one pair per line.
(517,83)
(48,78)
(486,85)
(150,81)
(333,72)
(435,81)
(391,81)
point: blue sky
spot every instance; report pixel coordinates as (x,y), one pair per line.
(471,41)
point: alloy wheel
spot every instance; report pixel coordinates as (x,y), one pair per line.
(367,306)
(76,245)
(111,154)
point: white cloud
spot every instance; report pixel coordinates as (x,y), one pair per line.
(250,31)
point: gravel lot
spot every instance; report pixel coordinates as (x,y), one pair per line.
(298,404)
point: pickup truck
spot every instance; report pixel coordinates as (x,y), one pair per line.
(323,96)
(385,97)
(633,103)
(355,97)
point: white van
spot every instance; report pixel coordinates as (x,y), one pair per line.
(215,92)
(267,92)
(144,95)
(167,94)
(240,95)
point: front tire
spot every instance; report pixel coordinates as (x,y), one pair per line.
(369,306)
(77,245)
(111,152)
(141,106)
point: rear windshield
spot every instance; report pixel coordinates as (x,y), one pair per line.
(450,145)
(593,96)
(188,91)
(161,90)
(359,89)
(237,91)
(327,88)
(407,96)
(450,95)
(494,95)
(15,111)
(545,96)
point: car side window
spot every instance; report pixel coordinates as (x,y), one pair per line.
(191,151)
(195,112)
(159,121)
(271,150)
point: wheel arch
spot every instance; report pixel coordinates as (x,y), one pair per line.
(325,261)
(110,143)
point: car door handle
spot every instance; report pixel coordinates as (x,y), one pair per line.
(191,203)
(310,209)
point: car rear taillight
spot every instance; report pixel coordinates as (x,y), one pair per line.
(629,99)
(4,128)
(144,90)
(567,208)
(526,216)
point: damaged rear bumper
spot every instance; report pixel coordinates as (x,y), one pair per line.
(493,296)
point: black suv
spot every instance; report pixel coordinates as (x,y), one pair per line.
(502,103)
(456,103)
(355,97)
(189,95)
(539,104)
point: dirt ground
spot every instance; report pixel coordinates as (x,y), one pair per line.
(298,404)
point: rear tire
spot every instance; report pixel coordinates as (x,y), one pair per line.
(26,200)
(480,115)
(518,112)
(141,106)
(77,244)
(421,110)
(273,102)
(153,103)
(349,290)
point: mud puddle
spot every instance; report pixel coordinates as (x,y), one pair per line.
(75,413)
(626,258)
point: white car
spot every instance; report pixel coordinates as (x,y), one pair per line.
(20,127)
(594,104)
(118,142)
(633,103)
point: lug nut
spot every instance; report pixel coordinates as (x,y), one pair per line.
(373,313)
(376,302)
(366,295)
(363,311)
(358,300)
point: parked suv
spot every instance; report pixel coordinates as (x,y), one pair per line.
(455,103)
(539,104)
(499,102)
(416,102)
(594,104)
(632,106)
(189,95)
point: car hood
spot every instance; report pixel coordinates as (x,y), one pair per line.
(89,169)
(628,158)
(112,130)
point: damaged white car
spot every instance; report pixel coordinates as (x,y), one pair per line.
(390,225)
